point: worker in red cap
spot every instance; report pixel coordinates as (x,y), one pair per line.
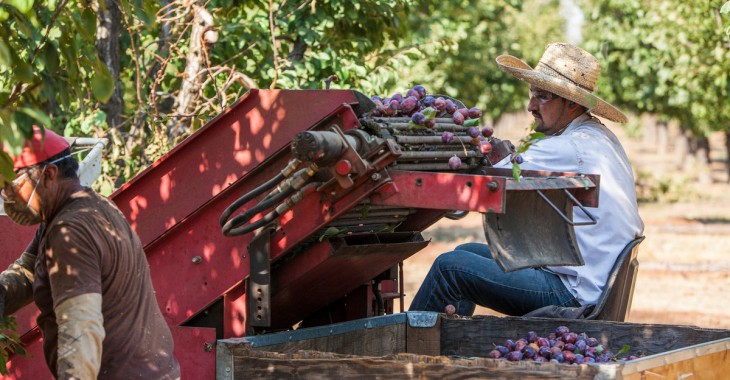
(86,271)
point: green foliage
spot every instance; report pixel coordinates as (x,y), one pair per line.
(9,342)
(667,57)
(525,144)
(47,61)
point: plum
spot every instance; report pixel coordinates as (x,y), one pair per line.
(420,90)
(559,343)
(485,147)
(375,97)
(439,104)
(494,354)
(458,118)
(514,356)
(579,359)
(412,92)
(592,342)
(418,118)
(408,104)
(428,101)
(464,112)
(450,310)
(447,137)
(430,123)
(581,345)
(519,160)
(509,344)
(544,352)
(449,107)
(531,335)
(551,336)
(502,350)
(473,132)
(528,352)
(543,342)
(568,356)
(454,163)
(488,131)
(560,330)
(475,113)
(570,337)
(559,358)
(569,347)
(397,96)
(555,350)
(541,359)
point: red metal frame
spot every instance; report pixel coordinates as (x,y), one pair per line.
(175,206)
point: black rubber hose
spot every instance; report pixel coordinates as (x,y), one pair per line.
(248,196)
(248,214)
(270,217)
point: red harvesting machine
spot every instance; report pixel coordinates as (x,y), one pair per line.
(297,208)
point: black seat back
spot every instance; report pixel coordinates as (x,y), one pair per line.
(615,301)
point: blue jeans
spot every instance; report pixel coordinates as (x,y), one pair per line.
(469,275)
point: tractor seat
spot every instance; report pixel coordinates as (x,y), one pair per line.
(614,303)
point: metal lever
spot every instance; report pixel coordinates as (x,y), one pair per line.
(563,216)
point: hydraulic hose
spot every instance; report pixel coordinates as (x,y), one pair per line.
(270,217)
(283,191)
(230,228)
(258,191)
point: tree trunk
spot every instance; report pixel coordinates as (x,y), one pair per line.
(107,46)
(702,154)
(662,138)
(186,101)
(297,51)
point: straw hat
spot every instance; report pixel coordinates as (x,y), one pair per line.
(567,71)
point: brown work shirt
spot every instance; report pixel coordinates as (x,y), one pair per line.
(89,247)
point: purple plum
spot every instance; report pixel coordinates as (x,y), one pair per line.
(420,90)
(454,163)
(418,118)
(475,113)
(487,131)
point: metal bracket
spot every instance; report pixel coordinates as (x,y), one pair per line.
(563,216)
(422,318)
(258,293)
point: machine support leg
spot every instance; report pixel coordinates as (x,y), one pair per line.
(258,292)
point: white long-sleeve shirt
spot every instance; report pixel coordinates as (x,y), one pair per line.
(588,147)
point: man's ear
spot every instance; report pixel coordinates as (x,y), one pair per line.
(50,173)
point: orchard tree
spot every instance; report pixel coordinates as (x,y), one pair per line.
(147,74)
(668,57)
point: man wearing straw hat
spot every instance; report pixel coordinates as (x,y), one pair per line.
(563,104)
(86,271)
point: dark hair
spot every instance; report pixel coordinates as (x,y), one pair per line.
(67,165)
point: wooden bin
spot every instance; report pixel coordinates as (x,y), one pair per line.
(427,345)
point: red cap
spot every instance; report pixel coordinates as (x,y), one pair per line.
(39,148)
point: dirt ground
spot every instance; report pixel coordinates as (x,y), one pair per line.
(684,271)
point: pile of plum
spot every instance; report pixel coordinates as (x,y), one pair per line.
(561,346)
(422,109)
